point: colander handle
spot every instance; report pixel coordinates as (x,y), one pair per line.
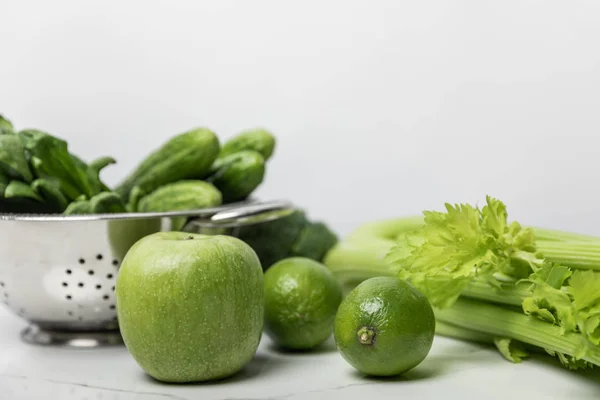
(239,215)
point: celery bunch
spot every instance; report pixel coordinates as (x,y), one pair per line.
(520,288)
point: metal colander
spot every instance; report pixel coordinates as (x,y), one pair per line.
(58,272)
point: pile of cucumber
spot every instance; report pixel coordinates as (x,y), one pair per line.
(38,174)
(192,170)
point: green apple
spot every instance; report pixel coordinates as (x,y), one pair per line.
(190,306)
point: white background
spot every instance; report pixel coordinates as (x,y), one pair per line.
(382,108)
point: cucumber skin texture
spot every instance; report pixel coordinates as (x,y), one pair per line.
(259,140)
(238,175)
(182,195)
(186,155)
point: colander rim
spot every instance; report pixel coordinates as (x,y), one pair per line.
(230,210)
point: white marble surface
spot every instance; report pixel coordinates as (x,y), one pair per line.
(453,370)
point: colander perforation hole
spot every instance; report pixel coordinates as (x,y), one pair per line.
(109,276)
(80,318)
(115,262)
(98,286)
(91,272)
(69,272)
(68,297)
(112,307)
(70,313)
(80,284)
(112,288)
(82,261)
(99,257)
(65,284)
(1,284)
(106,297)
(6,294)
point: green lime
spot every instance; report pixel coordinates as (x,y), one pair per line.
(384,327)
(301,299)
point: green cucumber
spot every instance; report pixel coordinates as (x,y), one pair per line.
(238,174)
(189,154)
(179,196)
(258,140)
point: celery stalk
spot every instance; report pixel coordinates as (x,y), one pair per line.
(498,321)
(449,330)
(552,235)
(577,255)
(509,294)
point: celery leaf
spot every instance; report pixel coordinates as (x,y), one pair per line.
(510,349)
(463,243)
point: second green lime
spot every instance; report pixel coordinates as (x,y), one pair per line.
(384,327)
(301,299)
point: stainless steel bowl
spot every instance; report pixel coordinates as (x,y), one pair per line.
(58,272)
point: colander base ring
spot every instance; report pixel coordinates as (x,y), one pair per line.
(33,334)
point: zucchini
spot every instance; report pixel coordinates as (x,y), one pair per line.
(258,140)
(187,155)
(238,174)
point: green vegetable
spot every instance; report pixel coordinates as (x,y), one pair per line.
(20,189)
(5,126)
(107,203)
(184,156)
(313,241)
(471,253)
(258,140)
(13,162)
(237,175)
(289,235)
(51,194)
(102,203)
(78,207)
(50,158)
(4,180)
(181,196)
(273,240)
(93,171)
(19,197)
